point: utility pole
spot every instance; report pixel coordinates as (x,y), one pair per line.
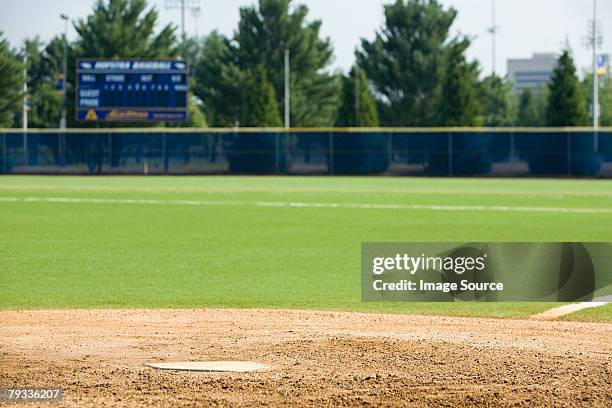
(287,93)
(595,76)
(493,31)
(357,95)
(181,5)
(195,13)
(64,71)
(183,33)
(593,41)
(24,113)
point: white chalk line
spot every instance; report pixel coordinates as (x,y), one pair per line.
(293,204)
(574,307)
(554,195)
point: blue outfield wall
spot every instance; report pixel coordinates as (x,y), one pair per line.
(435,152)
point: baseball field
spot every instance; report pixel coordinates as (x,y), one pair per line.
(100,275)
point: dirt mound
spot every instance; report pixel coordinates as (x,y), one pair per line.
(318,358)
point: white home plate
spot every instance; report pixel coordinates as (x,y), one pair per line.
(220,366)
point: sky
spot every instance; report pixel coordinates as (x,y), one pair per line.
(526,26)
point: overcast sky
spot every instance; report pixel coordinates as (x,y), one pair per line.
(527,26)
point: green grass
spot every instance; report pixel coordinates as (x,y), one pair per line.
(602,313)
(67,255)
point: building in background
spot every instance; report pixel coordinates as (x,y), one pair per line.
(532,73)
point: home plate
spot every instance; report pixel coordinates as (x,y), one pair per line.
(211,366)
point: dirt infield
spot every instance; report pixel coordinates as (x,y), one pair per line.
(318,358)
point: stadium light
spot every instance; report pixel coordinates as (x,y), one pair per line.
(64,70)
(593,41)
(493,30)
(195,13)
(181,5)
(596,39)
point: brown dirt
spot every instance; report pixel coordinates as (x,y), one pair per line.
(317,358)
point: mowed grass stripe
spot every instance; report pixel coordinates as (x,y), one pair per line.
(293,204)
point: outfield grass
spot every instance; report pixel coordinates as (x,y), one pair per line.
(69,255)
(594,314)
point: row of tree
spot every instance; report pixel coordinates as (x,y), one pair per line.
(413,73)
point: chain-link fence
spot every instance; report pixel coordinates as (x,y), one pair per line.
(436,152)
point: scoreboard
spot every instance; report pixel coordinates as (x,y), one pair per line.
(131,90)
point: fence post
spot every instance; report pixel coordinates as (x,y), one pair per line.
(390,151)
(25,148)
(450,153)
(287,151)
(110,151)
(163,152)
(569,153)
(4,155)
(330,163)
(276,153)
(60,148)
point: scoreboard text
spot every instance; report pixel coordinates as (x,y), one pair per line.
(131,90)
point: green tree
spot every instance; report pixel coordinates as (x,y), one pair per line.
(11,81)
(264,33)
(566,102)
(52,66)
(124,29)
(33,50)
(190,50)
(260,107)
(459,104)
(498,104)
(368,115)
(532,108)
(44,69)
(218,81)
(197,119)
(605,97)
(605,101)
(406,61)
(45,106)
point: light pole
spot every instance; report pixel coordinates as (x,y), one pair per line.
(357,95)
(595,78)
(287,92)
(493,31)
(64,71)
(181,5)
(195,13)
(24,113)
